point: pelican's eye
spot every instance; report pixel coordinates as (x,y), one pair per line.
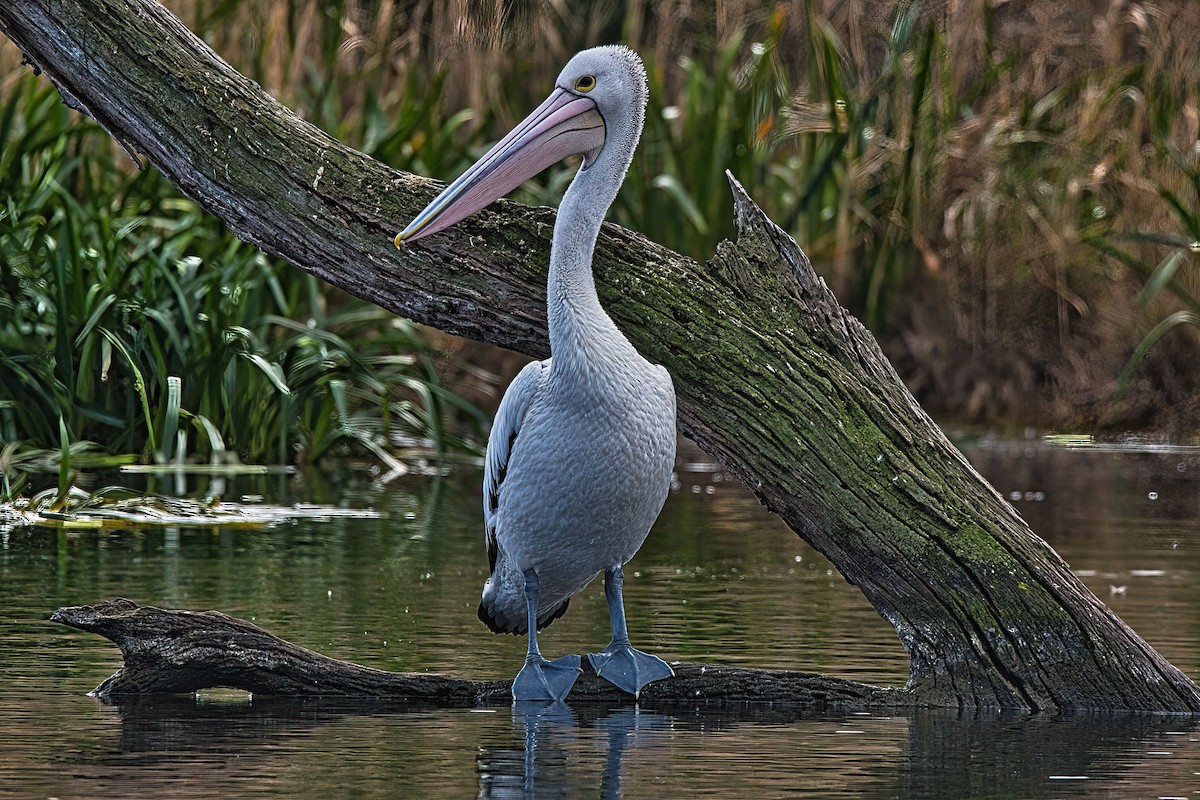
(586,83)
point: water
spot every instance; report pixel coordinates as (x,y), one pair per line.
(719,580)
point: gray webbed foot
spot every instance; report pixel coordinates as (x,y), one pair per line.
(629,669)
(540,679)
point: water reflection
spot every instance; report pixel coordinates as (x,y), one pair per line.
(719,580)
(506,773)
(925,754)
(1004,756)
(180,748)
(541,768)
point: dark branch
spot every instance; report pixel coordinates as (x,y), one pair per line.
(173,652)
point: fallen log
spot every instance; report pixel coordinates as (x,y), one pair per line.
(774,378)
(175,652)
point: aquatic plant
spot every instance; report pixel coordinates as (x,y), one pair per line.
(1176,272)
(132,319)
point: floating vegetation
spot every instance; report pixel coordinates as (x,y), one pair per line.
(1121,444)
(206,469)
(1069,439)
(117,507)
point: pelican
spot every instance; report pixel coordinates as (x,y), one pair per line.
(579,459)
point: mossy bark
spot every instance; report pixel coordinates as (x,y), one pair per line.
(774,378)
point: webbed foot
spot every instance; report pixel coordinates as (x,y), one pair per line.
(629,669)
(540,679)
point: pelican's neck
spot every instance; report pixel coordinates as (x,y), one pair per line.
(578,324)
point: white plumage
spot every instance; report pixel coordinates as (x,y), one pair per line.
(580,456)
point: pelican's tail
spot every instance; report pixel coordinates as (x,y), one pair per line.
(505,613)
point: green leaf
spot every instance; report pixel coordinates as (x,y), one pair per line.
(273,372)
(171,422)
(1162,275)
(64,462)
(1143,349)
(139,384)
(94,319)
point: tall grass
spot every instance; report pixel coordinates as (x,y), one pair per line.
(131,318)
(1177,272)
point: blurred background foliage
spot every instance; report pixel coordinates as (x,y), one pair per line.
(1008,194)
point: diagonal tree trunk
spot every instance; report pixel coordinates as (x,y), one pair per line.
(774,378)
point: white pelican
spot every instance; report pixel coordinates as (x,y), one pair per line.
(579,459)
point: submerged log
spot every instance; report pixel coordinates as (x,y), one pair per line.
(175,652)
(775,379)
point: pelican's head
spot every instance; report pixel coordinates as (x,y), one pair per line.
(599,98)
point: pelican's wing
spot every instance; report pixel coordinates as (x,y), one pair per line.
(505,429)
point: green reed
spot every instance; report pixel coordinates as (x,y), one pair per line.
(131,318)
(1177,272)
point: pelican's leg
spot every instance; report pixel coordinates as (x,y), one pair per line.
(540,679)
(620,664)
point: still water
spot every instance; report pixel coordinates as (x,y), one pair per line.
(719,580)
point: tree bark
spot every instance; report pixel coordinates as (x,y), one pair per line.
(173,652)
(775,379)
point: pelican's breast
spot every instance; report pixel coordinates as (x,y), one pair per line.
(588,476)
